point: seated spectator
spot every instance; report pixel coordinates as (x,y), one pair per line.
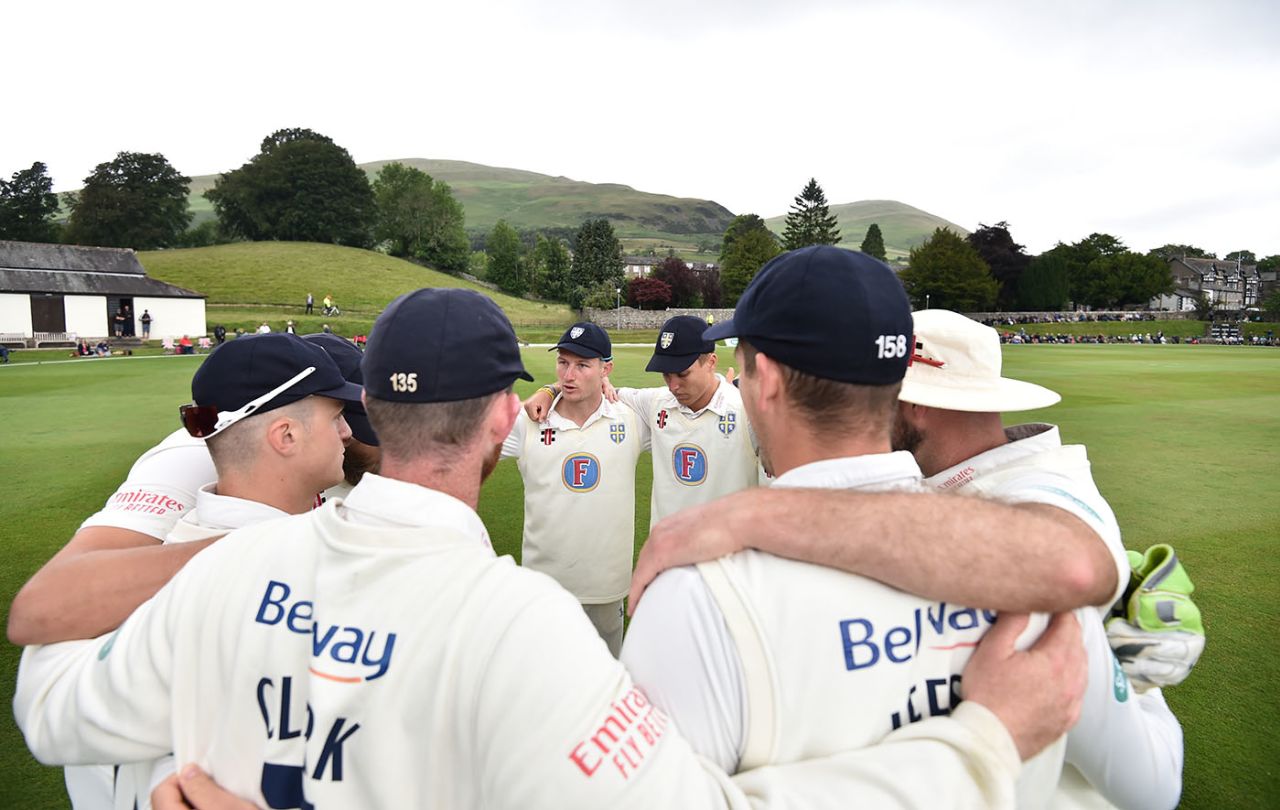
(185,346)
(265,329)
(102,349)
(220,333)
(4,353)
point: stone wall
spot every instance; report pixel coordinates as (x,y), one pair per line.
(632,318)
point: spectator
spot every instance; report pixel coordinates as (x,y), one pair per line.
(311,302)
(326,329)
(117,325)
(83,349)
(288,328)
(265,329)
(185,346)
(128,321)
(103,349)
(220,333)
(145,320)
(4,352)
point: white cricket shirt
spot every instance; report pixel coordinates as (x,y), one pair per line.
(579,497)
(375,653)
(1035,467)
(698,456)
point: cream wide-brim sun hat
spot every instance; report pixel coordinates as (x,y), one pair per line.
(956,367)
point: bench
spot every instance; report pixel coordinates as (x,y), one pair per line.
(56,338)
(14,340)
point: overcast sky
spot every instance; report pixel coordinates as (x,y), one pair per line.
(1153,121)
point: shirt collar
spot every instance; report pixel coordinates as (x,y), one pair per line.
(387,501)
(896,470)
(214,511)
(719,404)
(1023,440)
(607,410)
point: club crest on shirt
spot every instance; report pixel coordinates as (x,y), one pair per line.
(666,339)
(689,463)
(618,433)
(575,332)
(581,472)
(662,419)
(728,422)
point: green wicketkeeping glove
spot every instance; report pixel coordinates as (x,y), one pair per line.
(1155,630)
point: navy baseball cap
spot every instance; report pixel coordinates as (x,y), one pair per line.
(258,373)
(832,313)
(679,343)
(347,356)
(441,345)
(585,339)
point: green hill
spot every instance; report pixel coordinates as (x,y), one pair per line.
(251,282)
(903,226)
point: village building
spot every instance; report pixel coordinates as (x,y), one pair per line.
(57,294)
(1229,285)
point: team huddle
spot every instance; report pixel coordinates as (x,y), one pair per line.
(291,602)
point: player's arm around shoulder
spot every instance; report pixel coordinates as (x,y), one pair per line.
(108,699)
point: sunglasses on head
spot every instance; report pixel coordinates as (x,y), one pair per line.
(202,421)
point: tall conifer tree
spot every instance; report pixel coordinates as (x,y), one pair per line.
(810,221)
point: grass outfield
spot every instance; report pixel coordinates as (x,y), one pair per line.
(1182,438)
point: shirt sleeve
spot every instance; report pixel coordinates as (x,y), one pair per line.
(679,651)
(1082,501)
(1128,746)
(639,400)
(105,700)
(160,488)
(514,443)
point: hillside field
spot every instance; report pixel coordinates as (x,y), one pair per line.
(249,282)
(902,226)
(1182,440)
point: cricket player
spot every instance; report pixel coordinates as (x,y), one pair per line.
(116,559)
(375,653)
(701,440)
(579,469)
(270,410)
(755,629)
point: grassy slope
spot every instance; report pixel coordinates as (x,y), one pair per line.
(1182,439)
(902,226)
(250,282)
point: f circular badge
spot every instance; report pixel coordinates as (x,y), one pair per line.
(689,463)
(581,472)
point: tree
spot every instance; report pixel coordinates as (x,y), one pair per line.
(505,268)
(1129,278)
(709,287)
(1243,256)
(1269,263)
(1089,285)
(748,254)
(1044,285)
(646,292)
(947,273)
(136,200)
(28,205)
(1172,251)
(810,221)
(597,256)
(739,226)
(551,266)
(1271,304)
(1205,307)
(685,289)
(1007,259)
(419,217)
(873,244)
(300,187)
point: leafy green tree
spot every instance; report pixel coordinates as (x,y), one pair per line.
(947,272)
(1129,278)
(685,289)
(597,256)
(873,244)
(300,187)
(1271,304)
(810,221)
(1007,259)
(551,268)
(602,296)
(28,205)
(1044,286)
(749,253)
(738,226)
(1172,251)
(419,217)
(202,235)
(1269,263)
(136,200)
(1244,256)
(1206,309)
(505,266)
